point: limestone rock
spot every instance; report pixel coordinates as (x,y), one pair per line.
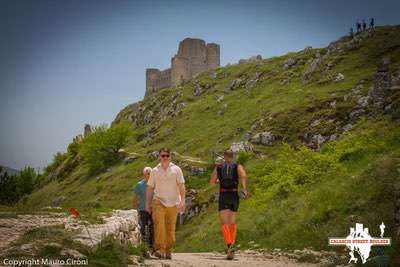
(316,141)
(312,68)
(315,123)
(122,225)
(131,158)
(347,127)
(72,252)
(235,84)
(241,146)
(290,62)
(363,101)
(264,138)
(339,77)
(148,118)
(220,98)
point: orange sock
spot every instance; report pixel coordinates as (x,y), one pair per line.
(227,234)
(233,233)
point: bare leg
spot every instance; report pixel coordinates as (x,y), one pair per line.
(224,216)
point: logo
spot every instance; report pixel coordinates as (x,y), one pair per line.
(359,240)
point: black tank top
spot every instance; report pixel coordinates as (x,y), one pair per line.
(228,175)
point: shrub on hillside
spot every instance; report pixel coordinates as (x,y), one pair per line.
(100,148)
(26,181)
(58,159)
(296,167)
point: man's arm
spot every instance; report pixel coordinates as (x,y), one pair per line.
(243,178)
(182,192)
(135,201)
(149,192)
(214,177)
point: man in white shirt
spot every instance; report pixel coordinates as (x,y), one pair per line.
(168,184)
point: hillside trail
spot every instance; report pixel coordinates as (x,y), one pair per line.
(215,259)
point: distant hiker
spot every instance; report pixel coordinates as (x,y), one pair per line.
(351,33)
(227,174)
(364,25)
(168,184)
(139,202)
(372,24)
(358,26)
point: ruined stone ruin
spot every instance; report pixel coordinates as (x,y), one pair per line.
(194,56)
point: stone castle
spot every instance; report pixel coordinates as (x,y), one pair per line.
(194,56)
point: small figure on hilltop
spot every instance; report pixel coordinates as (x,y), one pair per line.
(372,24)
(358,26)
(364,25)
(351,33)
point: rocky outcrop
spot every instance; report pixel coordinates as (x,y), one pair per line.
(290,62)
(241,146)
(339,77)
(315,63)
(264,138)
(200,88)
(122,225)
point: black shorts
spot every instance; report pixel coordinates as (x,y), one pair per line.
(228,200)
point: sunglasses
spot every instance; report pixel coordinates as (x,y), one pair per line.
(165,155)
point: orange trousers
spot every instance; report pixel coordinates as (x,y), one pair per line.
(164,219)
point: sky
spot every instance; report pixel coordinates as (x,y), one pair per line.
(67,63)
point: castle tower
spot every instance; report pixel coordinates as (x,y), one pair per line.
(193,57)
(151,80)
(213,56)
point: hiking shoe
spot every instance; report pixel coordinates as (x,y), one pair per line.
(230,254)
(159,254)
(168,255)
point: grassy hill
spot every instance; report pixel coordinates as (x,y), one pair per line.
(334,159)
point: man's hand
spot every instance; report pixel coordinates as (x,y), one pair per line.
(245,194)
(148,208)
(182,206)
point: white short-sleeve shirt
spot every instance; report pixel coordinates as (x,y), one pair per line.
(165,183)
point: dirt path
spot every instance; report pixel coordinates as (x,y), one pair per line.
(210,259)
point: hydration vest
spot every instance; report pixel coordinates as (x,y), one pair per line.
(228,178)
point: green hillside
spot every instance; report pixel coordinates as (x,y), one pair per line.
(332,157)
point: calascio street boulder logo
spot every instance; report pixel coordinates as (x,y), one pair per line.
(359,240)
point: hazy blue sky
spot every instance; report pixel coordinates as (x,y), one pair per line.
(67,63)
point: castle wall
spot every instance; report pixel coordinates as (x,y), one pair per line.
(179,70)
(194,56)
(156,79)
(213,55)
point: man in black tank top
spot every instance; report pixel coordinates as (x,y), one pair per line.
(227,175)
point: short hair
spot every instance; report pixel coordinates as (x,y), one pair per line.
(147,169)
(228,152)
(164,149)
